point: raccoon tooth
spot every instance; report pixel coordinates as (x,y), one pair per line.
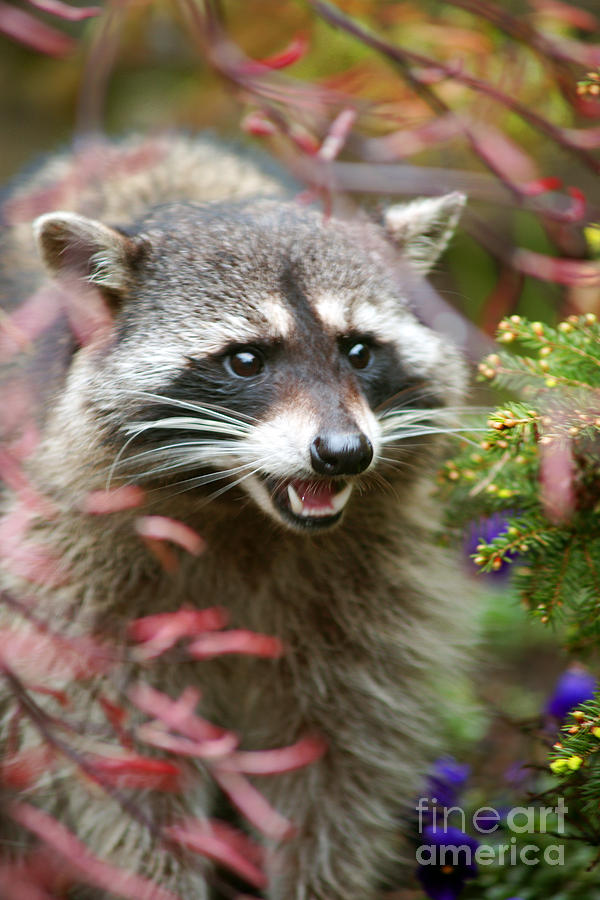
(295,501)
(339,500)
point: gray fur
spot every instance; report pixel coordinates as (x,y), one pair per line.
(370,611)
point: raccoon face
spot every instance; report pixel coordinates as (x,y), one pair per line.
(257,347)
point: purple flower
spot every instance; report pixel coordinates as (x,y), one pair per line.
(446,780)
(485,530)
(574,687)
(446,861)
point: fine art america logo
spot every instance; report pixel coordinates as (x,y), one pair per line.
(446,843)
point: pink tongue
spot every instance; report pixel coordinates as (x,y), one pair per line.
(315,494)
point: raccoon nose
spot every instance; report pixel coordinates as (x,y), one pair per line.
(341,453)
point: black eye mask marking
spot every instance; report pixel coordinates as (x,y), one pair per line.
(246,380)
(381,375)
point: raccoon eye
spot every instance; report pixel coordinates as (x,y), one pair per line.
(246,363)
(359,355)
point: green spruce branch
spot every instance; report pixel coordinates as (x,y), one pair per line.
(539,465)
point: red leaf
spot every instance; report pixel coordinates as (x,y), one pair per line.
(258,124)
(217,842)
(135,771)
(236,641)
(64,11)
(22,769)
(60,696)
(25,29)
(304,140)
(117,716)
(16,885)
(541,186)
(89,868)
(292,53)
(578,207)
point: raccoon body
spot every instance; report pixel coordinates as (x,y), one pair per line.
(261,376)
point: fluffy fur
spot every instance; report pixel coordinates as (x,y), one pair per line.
(200,255)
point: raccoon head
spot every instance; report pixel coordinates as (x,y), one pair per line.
(259,347)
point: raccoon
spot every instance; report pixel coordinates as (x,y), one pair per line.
(260,373)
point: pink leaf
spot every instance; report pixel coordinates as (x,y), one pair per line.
(64,11)
(566,12)
(502,154)
(272,762)
(16,885)
(218,843)
(37,656)
(125,497)
(258,124)
(160,632)
(19,329)
(25,29)
(337,134)
(253,805)
(409,141)
(236,641)
(89,868)
(212,749)
(551,268)
(556,480)
(11,472)
(161,528)
(587,138)
(176,714)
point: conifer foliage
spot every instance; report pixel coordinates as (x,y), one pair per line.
(539,464)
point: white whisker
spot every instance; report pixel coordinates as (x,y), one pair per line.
(221,412)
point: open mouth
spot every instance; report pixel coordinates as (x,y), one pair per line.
(312,504)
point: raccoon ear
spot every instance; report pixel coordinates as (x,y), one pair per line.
(424,227)
(72,244)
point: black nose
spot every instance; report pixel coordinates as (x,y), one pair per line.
(341,453)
